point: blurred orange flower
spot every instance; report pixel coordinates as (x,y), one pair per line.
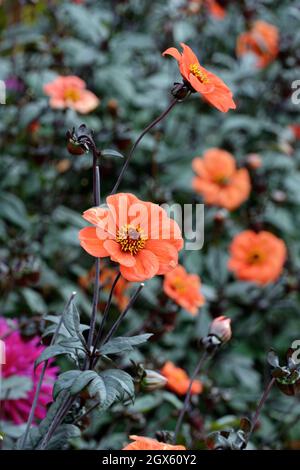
(146,443)
(257,257)
(214,8)
(179,381)
(71,92)
(219,181)
(295,128)
(211,88)
(262,40)
(184,289)
(136,234)
(107,277)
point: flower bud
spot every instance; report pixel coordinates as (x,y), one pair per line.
(254,161)
(279,196)
(221,328)
(220,216)
(113,107)
(74,148)
(153,380)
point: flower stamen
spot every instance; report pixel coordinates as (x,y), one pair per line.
(72,95)
(195,70)
(131,239)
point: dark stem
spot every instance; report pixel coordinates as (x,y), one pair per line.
(70,400)
(186,402)
(106,312)
(96,293)
(87,412)
(121,317)
(40,382)
(147,129)
(56,421)
(95,304)
(259,406)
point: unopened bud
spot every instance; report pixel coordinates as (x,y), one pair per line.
(253,161)
(279,196)
(221,328)
(153,380)
(220,216)
(74,148)
(113,107)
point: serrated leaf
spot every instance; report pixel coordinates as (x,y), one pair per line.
(72,343)
(52,351)
(111,153)
(82,381)
(97,388)
(123,344)
(71,320)
(122,381)
(65,381)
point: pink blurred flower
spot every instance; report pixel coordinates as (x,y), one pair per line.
(71,92)
(20,357)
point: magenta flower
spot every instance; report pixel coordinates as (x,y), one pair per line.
(20,357)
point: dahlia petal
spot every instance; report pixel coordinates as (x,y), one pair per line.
(88,102)
(119,205)
(91,243)
(166,254)
(188,55)
(116,254)
(172,51)
(202,88)
(146,267)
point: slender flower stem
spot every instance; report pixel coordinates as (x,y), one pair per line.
(121,317)
(40,382)
(260,405)
(56,421)
(186,402)
(96,173)
(95,304)
(96,294)
(88,411)
(106,312)
(147,129)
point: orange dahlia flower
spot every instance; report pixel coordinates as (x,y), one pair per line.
(219,181)
(257,257)
(146,443)
(262,41)
(211,88)
(295,129)
(179,381)
(138,235)
(184,289)
(107,277)
(71,92)
(216,9)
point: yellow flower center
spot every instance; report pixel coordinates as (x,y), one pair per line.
(179,285)
(131,239)
(72,94)
(222,180)
(195,70)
